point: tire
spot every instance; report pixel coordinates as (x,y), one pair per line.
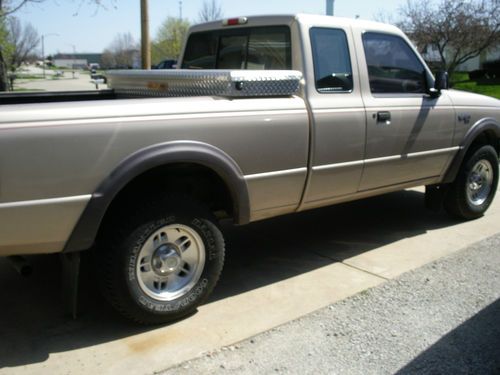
(162,262)
(475,186)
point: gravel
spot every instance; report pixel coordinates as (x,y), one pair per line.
(443,318)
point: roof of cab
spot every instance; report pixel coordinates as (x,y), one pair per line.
(304,19)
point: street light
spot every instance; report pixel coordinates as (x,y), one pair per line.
(43,50)
(74,60)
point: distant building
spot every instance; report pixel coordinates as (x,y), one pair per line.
(431,55)
(76,60)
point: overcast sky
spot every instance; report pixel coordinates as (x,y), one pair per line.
(89,31)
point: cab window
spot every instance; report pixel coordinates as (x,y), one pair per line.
(332,64)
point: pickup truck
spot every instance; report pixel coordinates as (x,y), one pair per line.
(143,181)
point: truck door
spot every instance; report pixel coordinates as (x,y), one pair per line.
(409,134)
(338,116)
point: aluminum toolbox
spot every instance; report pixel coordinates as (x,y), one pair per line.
(229,83)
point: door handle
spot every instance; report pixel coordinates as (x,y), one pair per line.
(384,117)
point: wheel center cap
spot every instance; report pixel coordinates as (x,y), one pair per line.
(166,260)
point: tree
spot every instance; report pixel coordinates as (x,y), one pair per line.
(24,41)
(211,11)
(459,30)
(122,52)
(169,39)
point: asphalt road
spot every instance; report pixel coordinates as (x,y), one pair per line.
(443,318)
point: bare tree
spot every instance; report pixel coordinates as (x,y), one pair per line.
(122,52)
(459,30)
(24,41)
(211,11)
(7,7)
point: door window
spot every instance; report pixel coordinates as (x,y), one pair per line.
(332,64)
(393,67)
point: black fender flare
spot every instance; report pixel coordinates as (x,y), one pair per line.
(85,231)
(481,126)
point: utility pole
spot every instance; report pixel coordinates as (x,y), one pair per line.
(145,40)
(330,7)
(180,10)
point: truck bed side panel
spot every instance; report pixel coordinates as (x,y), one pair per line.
(59,151)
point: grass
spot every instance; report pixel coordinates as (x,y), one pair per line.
(461,81)
(21,89)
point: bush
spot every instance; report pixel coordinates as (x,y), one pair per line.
(492,68)
(477,74)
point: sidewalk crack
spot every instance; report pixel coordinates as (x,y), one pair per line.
(350,265)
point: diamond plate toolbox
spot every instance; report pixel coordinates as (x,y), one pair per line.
(229,83)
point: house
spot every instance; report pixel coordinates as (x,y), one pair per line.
(431,55)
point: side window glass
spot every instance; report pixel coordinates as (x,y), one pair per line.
(393,67)
(332,64)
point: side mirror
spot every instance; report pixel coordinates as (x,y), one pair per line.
(441,83)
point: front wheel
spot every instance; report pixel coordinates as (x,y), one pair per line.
(162,262)
(472,192)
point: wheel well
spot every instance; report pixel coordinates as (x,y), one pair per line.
(487,137)
(193,180)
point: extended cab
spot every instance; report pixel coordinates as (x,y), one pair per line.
(143,180)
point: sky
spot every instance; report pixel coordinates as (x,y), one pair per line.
(66,24)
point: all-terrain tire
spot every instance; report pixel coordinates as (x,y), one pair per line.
(144,270)
(475,186)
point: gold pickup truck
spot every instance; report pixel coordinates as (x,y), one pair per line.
(265,116)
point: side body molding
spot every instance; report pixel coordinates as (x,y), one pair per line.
(485,124)
(85,232)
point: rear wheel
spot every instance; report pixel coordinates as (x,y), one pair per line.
(163,262)
(472,192)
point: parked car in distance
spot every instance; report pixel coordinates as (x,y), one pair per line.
(166,64)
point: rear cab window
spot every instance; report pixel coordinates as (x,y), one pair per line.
(265,48)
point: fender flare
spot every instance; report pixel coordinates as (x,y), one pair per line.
(485,124)
(85,232)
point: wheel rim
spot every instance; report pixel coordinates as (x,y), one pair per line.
(170,262)
(479,182)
